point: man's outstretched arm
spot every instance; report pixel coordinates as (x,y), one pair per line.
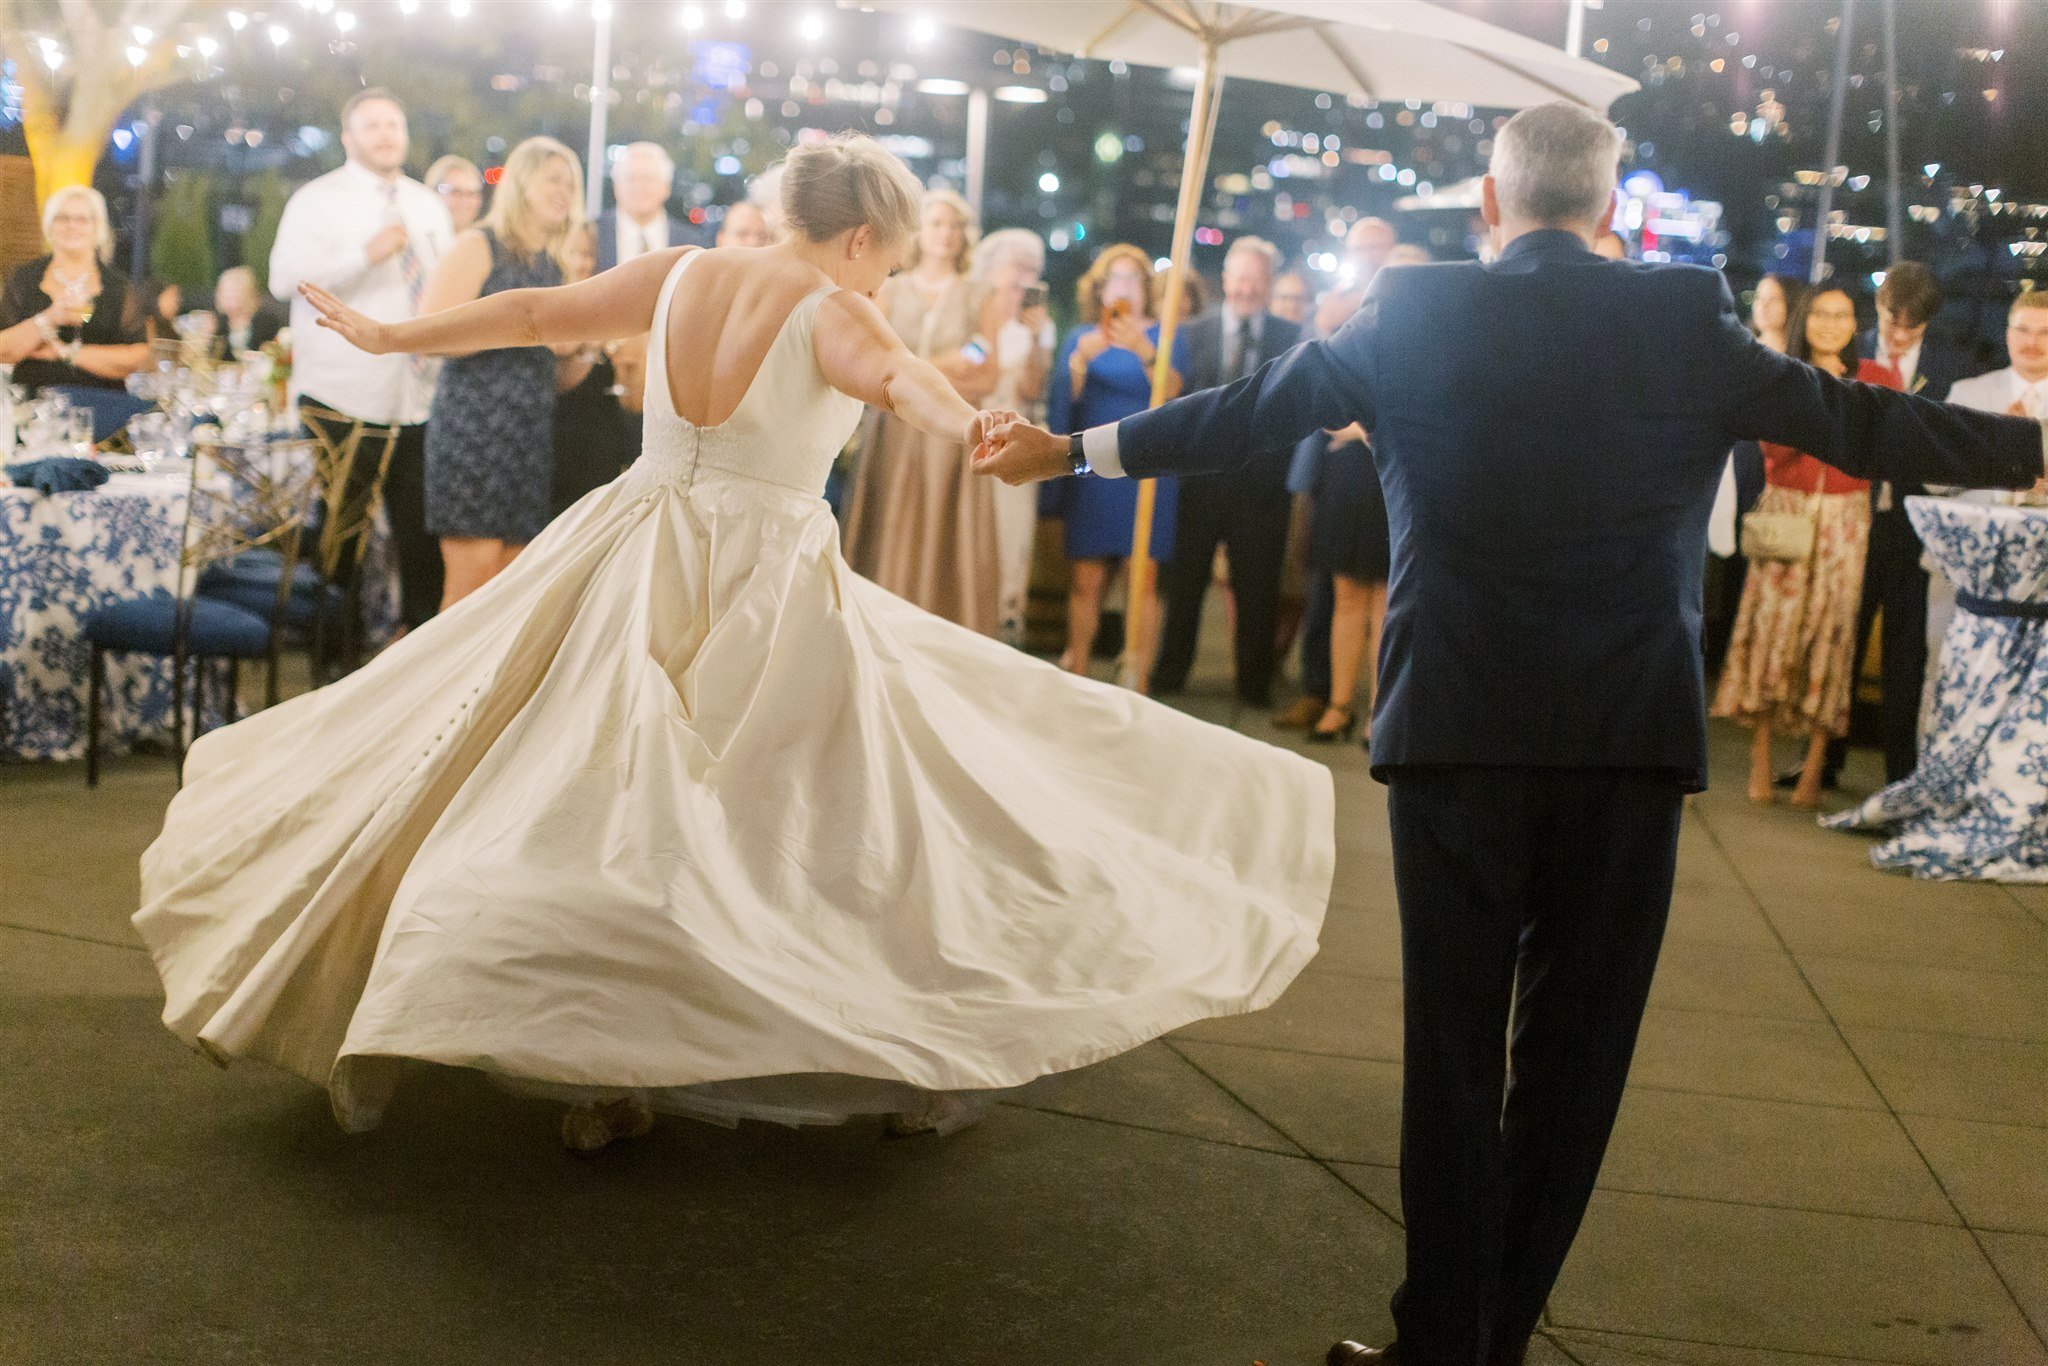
(1316,385)
(1867,430)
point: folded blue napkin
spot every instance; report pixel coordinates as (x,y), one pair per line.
(58,474)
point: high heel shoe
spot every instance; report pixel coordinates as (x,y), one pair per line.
(1319,736)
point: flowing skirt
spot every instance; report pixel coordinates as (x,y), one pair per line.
(1791,657)
(677,804)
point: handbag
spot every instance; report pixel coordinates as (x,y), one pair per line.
(1784,536)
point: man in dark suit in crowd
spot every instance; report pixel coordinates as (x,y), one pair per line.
(643,179)
(1246,511)
(1550,431)
(1894,580)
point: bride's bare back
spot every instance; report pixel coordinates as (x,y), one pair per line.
(728,311)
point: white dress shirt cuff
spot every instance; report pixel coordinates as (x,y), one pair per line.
(1099,445)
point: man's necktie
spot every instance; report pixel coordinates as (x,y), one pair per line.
(1244,349)
(414,274)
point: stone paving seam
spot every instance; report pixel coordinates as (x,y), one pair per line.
(74,938)
(1703,1342)
(1298,1155)
(1976,1238)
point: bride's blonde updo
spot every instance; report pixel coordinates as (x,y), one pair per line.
(829,187)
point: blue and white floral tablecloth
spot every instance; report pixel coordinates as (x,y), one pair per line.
(1976,806)
(61,557)
(64,556)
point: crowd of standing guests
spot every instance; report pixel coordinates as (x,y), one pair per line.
(490,447)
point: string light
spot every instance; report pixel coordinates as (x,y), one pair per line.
(812,27)
(735,9)
(458,9)
(279,35)
(237,20)
(208,45)
(344,21)
(142,35)
(922,31)
(601,10)
(137,56)
(691,18)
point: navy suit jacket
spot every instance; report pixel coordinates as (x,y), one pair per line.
(680,234)
(1266,471)
(1550,431)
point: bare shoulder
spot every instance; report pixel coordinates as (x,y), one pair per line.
(848,312)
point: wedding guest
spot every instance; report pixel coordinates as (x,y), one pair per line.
(461,187)
(1103,373)
(1292,298)
(1610,246)
(1349,545)
(744,226)
(1894,579)
(590,440)
(371,236)
(239,317)
(643,179)
(491,436)
(1194,295)
(166,306)
(764,192)
(68,317)
(2019,390)
(1789,660)
(1366,249)
(917,521)
(1770,308)
(1010,263)
(1247,512)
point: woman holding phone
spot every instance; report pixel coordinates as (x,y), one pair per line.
(1104,374)
(917,520)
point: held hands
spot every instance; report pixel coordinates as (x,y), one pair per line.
(365,333)
(1012,450)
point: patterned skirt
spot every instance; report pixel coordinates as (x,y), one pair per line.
(1790,659)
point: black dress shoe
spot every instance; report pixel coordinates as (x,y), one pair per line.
(1348,1353)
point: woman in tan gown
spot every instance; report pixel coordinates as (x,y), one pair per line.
(918,522)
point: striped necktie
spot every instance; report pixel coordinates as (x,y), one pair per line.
(409,267)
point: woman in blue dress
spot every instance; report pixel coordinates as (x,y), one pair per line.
(1104,373)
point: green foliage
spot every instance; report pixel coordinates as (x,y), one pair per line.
(269,192)
(181,248)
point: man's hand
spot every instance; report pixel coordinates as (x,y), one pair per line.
(1019,453)
(629,369)
(389,241)
(365,333)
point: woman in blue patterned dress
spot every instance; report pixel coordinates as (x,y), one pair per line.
(490,436)
(1103,374)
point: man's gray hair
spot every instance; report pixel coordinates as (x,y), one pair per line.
(1556,163)
(653,149)
(1256,246)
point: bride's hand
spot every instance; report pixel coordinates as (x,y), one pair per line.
(364,333)
(1019,453)
(981,430)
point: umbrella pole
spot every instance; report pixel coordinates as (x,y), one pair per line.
(1194,173)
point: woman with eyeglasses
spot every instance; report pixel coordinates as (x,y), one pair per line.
(1791,658)
(461,187)
(70,317)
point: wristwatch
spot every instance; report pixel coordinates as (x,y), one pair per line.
(1077,455)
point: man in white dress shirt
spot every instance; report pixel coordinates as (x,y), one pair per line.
(370,235)
(643,178)
(2019,390)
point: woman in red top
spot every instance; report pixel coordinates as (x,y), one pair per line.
(1794,647)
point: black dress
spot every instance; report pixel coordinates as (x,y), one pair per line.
(1347,529)
(591,448)
(115,321)
(490,433)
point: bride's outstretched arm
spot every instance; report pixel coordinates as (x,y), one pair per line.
(618,303)
(861,355)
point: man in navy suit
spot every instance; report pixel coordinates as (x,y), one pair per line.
(643,178)
(1550,430)
(1247,511)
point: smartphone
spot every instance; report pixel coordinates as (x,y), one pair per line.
(975,352)
(1118,310)
(1035,295)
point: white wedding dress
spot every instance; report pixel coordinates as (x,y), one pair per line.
(678,805)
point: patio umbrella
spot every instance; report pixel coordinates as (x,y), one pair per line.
(1380,49)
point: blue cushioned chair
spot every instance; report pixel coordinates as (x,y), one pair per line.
(242,506)
(110,408)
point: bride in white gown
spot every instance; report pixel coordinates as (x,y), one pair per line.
(679,812)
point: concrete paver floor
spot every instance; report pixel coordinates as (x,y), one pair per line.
(1834,1150)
